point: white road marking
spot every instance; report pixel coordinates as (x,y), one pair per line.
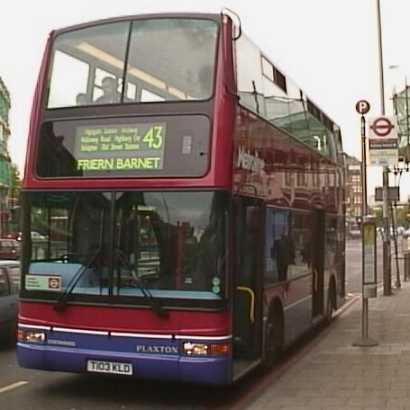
(13,386)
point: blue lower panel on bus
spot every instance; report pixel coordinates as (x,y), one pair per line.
(208,370)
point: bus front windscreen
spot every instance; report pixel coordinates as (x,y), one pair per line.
(145,60)
(115,244)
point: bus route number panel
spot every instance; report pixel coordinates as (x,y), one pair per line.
(170,146)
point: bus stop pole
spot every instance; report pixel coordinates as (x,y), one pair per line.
(387,288)
(393,213)
(364,340)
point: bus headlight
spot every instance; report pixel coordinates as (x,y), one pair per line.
(31,336)
(205,349)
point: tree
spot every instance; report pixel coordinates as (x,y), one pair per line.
(15,181)
(14,198)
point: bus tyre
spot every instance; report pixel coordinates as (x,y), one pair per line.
(274,339)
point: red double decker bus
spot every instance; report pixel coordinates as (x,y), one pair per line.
(190,201)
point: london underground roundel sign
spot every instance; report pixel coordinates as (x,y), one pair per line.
(382,126)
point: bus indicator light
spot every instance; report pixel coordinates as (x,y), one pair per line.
(31,336)
(217,349)
(202,349)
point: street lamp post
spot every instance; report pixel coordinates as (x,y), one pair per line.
(407,116)
(386,237)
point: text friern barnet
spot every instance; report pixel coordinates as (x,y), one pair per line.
(103,164)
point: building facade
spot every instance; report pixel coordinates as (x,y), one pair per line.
(5,163)
(353,189)
(401,106)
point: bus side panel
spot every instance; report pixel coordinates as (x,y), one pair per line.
(298,307)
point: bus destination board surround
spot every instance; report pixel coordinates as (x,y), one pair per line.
(120,147)
(160,146)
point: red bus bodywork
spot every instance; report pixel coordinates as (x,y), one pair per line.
(233,128)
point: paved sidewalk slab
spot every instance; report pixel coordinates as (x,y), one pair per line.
(336,375)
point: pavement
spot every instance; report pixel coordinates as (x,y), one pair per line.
(332,374)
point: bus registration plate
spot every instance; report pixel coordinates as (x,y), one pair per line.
(99,366)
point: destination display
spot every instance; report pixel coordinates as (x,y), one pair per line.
(121,147)
(124,147)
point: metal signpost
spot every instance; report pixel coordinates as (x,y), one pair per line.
(369,280)
(386,237)
(383,142)
(383,150)
(393,193)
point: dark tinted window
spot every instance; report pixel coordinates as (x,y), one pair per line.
(288,244)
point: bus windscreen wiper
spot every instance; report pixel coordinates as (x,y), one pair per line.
(61,302)
(155,304)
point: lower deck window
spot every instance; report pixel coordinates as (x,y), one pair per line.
(288,244)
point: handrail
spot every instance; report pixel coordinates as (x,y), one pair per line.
(252,308)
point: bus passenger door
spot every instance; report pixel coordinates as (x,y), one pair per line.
(318,257)
(248,222)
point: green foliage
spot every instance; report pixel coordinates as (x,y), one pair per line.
(14,194)
(377,212)
(15,181)
(402,216)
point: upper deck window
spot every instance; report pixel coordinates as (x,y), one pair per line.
(167,60)
(266,91)
(86,63)
(172,59)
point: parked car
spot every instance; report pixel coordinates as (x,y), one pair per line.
(406,233)
(9,288)
(18,236)
(354,233)
(13,235)
(9,249)
(400,230)
(37,236)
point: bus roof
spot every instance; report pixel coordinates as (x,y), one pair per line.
(206,16)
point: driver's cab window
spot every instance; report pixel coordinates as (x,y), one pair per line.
(74,236)
(14,276)
(138,240)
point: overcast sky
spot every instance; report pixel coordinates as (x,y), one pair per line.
(328,47)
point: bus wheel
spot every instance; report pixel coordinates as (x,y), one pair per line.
(12,336)
(274,339)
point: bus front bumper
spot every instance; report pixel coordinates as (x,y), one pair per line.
(202,370)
